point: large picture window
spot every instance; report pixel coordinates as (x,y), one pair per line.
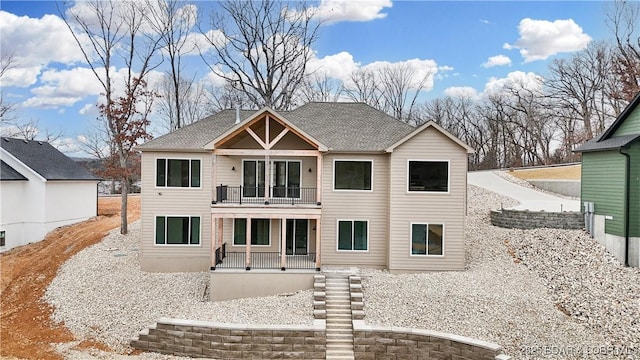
(177,230)
(429,176)
(177,173)
(353,235)
(260,232)
(352,175)
(427,239)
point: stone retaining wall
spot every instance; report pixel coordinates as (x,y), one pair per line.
(525,219)
(233,341)
(394,343)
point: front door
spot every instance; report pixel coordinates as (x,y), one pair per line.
(297,236)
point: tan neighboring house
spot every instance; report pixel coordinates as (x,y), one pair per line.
(264,199)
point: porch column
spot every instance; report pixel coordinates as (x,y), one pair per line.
(248,245)
(283,244)
(318,245)
(213,241)
(220,233)
(319,179)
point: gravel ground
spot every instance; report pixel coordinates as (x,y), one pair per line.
(101,293)
(543,293)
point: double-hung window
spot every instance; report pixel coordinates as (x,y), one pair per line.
(427,239)
(429,176)
(353,235)
(178,173)
(260,232)
(352,175)
(177,230)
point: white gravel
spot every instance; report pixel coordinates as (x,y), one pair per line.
(519,287)
(543,293)
(101,293)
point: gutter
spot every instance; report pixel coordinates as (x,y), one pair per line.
(627,194)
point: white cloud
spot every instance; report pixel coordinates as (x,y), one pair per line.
(338,66)
(89,110)
(332,11)
(498,60)
(421,69)
(198,43)
(540,39)
(514,81)
(63,88)
(34,43)
(461,92)
(445,68)
(68,146)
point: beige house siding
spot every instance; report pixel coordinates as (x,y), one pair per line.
(432,208)
(163,201)
(356,205)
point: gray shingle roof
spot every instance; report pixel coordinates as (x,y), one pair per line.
(339,126)
(46,160)
(608,144)
(7,173)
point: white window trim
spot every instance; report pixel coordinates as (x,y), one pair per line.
(406,188)
(271,180)
(352,239)
(155,173)
(155,230)
(333,179)
(233,235)
(444,238)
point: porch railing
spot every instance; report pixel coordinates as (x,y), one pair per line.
(264,260)
(256,195)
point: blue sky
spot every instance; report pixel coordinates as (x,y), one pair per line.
(466,47)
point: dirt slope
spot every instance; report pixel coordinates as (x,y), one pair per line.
(26,329)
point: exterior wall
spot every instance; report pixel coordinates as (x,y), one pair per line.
(634,201)
(236,284)
(603,184)
(12,213)
(615,244)
(162,201)
(201,339)
(68,202)
(356,205)
(433,208)
(631,125)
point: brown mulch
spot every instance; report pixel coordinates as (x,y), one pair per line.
(26,328)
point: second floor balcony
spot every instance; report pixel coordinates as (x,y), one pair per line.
(261,195)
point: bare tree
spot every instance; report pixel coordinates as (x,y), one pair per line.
(623,19)
(264,49)
(106,31)
(320,88)
(363,87)
(7,62)
(399,88)
(195,102)
(172,20)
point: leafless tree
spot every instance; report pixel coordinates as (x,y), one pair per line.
(320,88)
(578,83)
(363,87)
(195,102)
(228,97)
(264,48)
(623,20)
(105,31)
(399,87)
(7,62)
(173,20)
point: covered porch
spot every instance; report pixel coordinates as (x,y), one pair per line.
(260,238)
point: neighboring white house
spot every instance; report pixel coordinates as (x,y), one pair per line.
(40,190)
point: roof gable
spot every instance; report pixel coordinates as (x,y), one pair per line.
(265,140)
(45,160)
(431,124)
(7,173)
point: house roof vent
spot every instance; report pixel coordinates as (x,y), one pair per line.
(237,114)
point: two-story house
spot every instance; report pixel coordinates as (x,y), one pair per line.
(265,198)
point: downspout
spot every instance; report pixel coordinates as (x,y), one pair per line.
(627,194)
